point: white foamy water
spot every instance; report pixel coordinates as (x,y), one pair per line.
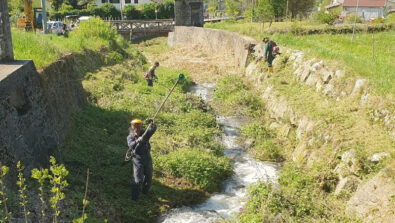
(233,195)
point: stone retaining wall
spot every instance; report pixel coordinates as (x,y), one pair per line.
(215,40)
(36,106)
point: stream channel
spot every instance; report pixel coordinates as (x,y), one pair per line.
(228,202)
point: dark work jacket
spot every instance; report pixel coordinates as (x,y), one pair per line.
(142,150)
(269,51)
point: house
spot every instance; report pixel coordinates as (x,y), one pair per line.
(367,9)
(121,3)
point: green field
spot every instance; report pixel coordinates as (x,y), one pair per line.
(379,70)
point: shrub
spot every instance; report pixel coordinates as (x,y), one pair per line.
(327,18)
(96,28)
(390,18)
(378,20)
(147,11)
(106,10)
(197,166)
(130,12)
(165,9)
(351,17)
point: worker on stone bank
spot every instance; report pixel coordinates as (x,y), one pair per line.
(150,75)
(139,145)
(269,57)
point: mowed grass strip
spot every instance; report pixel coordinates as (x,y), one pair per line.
(378,69)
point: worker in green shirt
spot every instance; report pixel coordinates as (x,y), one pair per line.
(271,50)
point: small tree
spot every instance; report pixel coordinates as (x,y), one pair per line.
(22,189)
(232,8)
(3,200)
(264,10)
(56,4)
(41,176)
(58,182)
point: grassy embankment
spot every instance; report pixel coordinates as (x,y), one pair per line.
(188,161)
(45,49)
(300,197)
(309,197)
(336,49)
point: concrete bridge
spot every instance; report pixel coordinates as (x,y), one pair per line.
(133,29)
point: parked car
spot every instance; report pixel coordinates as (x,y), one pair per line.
(55,27)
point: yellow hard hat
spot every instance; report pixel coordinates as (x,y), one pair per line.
(136,121)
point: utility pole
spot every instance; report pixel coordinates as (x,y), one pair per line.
(44,16)
(353,28)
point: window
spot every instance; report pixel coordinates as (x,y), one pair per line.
(127,1)
(104,1)
(114,1)
(136,1)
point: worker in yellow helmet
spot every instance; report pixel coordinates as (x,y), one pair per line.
(139,147)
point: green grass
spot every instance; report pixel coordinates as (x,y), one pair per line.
(379,70)
(188,162)
(234,97)
(45,49)
(295,199)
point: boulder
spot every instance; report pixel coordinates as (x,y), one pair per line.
(326,76)
(348,165)
(347,184)
(374,201)
(358,86)
(377,157)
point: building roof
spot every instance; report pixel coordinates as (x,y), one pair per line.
(364,3)
(332,5)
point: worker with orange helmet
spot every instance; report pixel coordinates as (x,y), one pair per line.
(139,147)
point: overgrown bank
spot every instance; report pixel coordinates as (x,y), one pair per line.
(327,127)
(188,162)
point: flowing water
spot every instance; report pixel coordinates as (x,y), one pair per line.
(233,195)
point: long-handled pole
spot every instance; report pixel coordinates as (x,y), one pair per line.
(129,153)
(180,77)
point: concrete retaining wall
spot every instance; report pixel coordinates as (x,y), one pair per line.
(216,40)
